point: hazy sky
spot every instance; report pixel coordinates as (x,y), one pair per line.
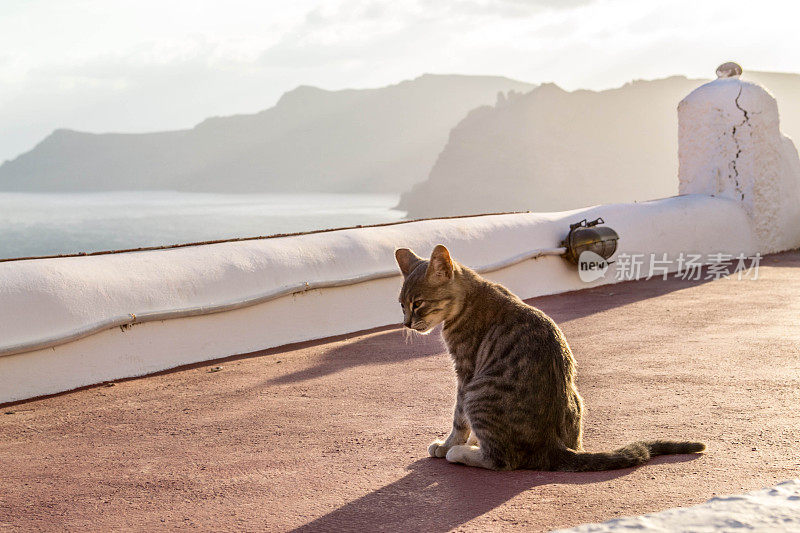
(143,65)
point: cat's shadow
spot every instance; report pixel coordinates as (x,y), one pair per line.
(438,496)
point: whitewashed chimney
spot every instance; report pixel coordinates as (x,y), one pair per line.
(730,146)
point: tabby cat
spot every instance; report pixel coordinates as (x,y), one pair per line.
(517,405)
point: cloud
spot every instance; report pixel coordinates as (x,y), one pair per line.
(511,8)
(137,65)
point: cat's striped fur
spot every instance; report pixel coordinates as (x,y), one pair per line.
(516,375)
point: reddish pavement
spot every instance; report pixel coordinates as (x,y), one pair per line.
(332,436)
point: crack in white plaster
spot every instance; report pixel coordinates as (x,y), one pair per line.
(738,147)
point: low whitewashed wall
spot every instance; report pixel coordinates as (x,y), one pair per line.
(52,297)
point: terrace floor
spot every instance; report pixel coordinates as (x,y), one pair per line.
(332,435)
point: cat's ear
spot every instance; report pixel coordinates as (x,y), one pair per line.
(406,260)
(440,267)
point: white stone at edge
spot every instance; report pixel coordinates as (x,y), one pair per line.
(730,145)
(774,509)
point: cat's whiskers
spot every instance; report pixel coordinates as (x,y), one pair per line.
(421,327)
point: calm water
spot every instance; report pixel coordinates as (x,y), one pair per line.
(43,224)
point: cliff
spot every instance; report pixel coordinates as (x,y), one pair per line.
(376,140)
(551,150)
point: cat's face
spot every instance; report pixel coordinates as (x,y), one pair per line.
(429,290)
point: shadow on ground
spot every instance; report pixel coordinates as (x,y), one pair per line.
(568,306)
(392,346)
(438,496)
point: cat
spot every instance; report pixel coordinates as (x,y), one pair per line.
(517,406)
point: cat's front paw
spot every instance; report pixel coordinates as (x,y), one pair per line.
(438,448)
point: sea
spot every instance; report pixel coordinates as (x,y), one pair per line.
(34,224)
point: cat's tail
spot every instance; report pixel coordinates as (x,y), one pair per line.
(633,454)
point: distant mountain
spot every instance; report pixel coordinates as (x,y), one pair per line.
(785,87)
(552,150)
(367,140)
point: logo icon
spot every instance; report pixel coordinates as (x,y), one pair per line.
(591,266)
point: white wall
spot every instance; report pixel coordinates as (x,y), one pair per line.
(51,298)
